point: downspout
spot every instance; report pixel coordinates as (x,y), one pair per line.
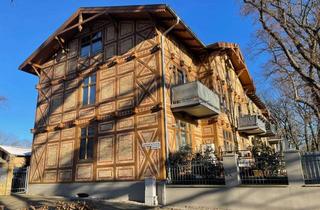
(164,94)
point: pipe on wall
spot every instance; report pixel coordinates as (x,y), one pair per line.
(164,93)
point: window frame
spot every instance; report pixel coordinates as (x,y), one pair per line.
(91,85)
(228,140)
(90,42)
(176,72)
(88,138)
(180,131)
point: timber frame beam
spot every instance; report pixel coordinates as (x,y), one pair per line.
(61,44)
(39,88)
(81,22)
(114,21)
(240,72)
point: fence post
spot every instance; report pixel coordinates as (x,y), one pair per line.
(27,179)
(231,170)
(150,191)
(161,192)
(294,168)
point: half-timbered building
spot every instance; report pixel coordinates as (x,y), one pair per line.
(122,87)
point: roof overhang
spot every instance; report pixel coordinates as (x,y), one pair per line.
(164,17)
(16,151)
(161,13)
(234,52)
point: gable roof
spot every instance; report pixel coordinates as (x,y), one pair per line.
(17,151)
(161,13)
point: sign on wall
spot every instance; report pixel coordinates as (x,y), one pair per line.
(152,145)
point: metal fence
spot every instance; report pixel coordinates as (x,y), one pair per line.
(311,167)
(262,172)
(198,173)
(20,180)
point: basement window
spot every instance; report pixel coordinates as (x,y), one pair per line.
(86,143)
(91,45)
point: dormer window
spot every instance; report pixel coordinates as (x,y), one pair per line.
(91,44)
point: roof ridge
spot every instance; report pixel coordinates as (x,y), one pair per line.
(130,5)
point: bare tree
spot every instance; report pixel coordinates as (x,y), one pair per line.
(12,140)
(2,99)
(290,32)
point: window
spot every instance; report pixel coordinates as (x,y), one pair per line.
(91,44)
(183,134)
(181,78)
(178,77)
(239,110)
(248,108)
(89,90)
(228,75)
(86,143)
(223,102)
(227,136)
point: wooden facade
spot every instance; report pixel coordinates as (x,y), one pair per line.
(128,109)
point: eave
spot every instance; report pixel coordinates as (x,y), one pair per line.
(235,55)
(161,13)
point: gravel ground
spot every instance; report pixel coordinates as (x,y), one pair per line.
(23,202)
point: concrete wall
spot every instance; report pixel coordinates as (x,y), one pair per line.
(246,198)
(133,191)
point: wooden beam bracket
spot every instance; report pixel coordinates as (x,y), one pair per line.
(114,22)
(61,43)
(240,72)
(155,49)
(81,22)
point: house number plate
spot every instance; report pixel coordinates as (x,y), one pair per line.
(152,145)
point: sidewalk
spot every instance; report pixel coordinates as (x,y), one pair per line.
(23,202)
(19,201)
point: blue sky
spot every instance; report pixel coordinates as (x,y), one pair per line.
(25,24)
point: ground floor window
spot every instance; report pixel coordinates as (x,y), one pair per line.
(86,143)
(183,134)
(227,139)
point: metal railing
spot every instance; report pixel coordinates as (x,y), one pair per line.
(271,129)
(251,124)
(311,167)
(20,180)
(197,173)
(261,172)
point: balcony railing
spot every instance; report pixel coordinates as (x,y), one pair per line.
(274,139)
(195,99)
(270,129)
(251,125)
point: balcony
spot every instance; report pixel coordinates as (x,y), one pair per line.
(274,139)
(251,125)
(195,99)
(270,130)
